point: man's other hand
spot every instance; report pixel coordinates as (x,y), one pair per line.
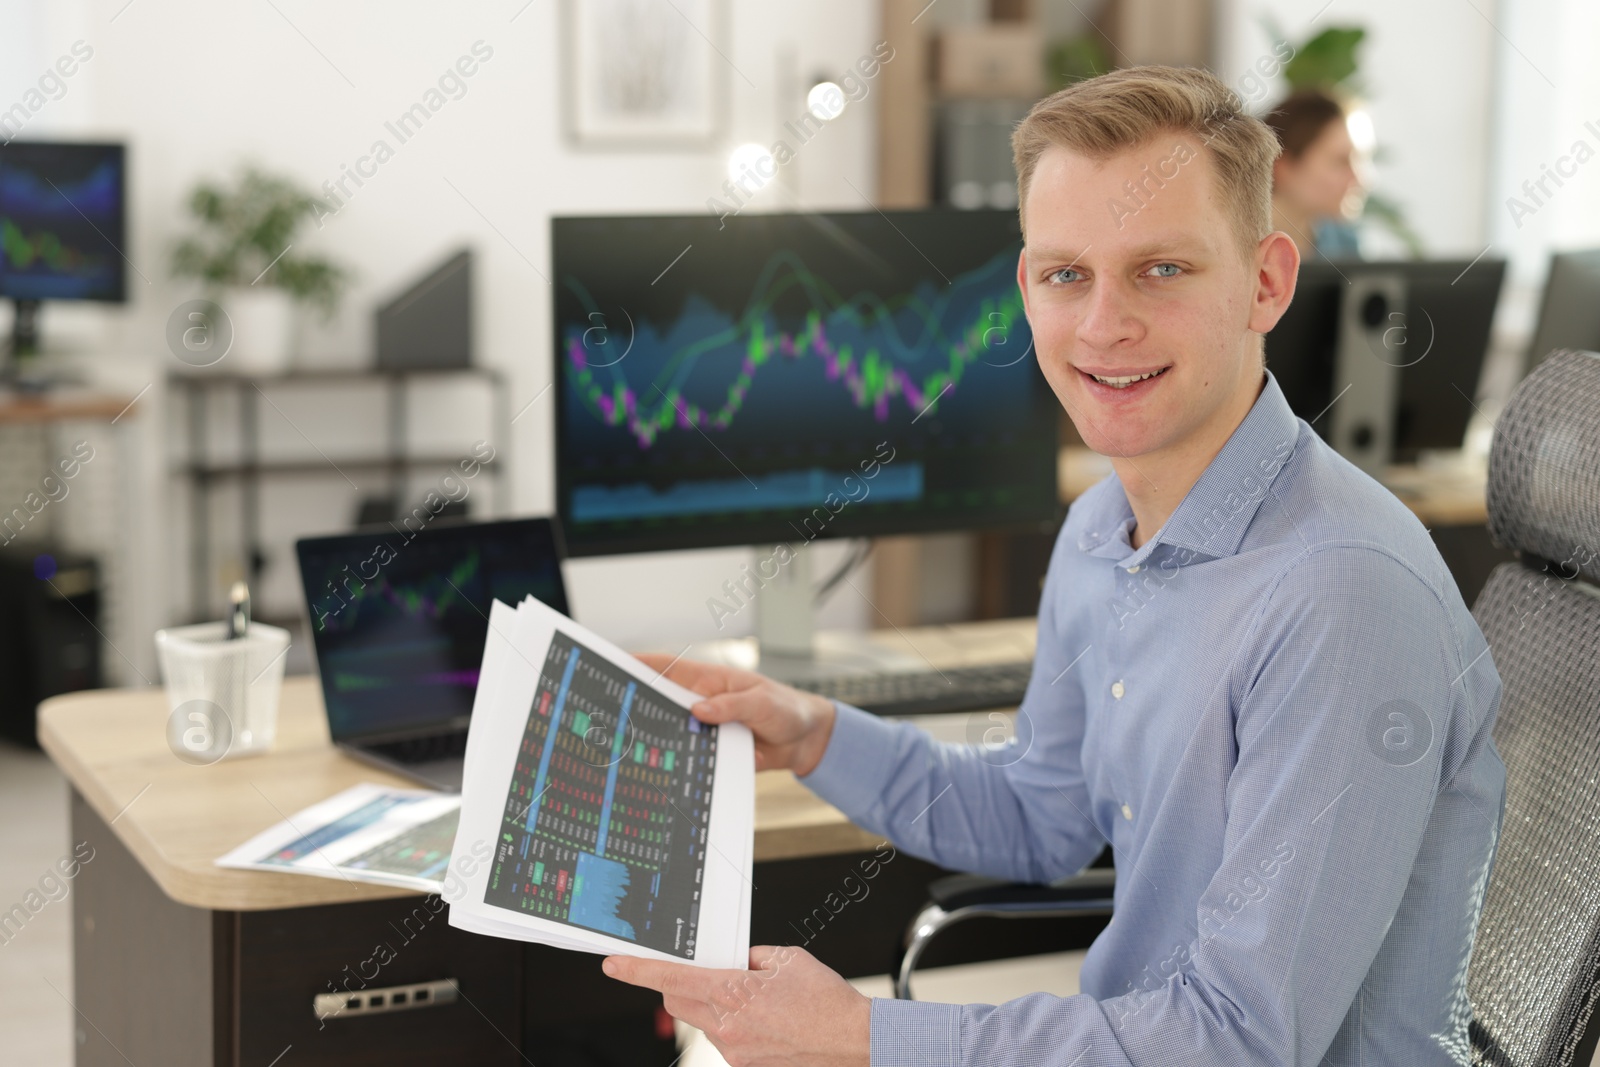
(788,1009)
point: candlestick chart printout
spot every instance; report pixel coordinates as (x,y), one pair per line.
(607,813)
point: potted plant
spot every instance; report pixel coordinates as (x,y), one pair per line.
(243,253)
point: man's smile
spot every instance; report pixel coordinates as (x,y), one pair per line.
(1129,382)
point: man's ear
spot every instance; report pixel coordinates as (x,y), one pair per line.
(1277,268)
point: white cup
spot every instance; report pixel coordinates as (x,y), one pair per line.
(223,694)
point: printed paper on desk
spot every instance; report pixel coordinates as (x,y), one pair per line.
(368,833)
(619,823)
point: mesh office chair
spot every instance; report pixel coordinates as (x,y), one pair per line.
(1535,971)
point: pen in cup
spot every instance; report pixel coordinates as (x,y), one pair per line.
(238,629)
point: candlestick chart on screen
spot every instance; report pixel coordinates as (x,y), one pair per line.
(780,363)
(61,221)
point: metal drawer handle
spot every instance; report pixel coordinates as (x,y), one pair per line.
(392,998)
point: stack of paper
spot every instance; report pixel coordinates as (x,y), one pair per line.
(615,822)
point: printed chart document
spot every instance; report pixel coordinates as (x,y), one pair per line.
(615,822)
(368,833)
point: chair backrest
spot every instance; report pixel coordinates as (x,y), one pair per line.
(1535,970)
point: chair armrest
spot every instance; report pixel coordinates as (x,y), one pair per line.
(968,896)
(972,890)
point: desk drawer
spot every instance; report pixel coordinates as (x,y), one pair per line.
(284,959)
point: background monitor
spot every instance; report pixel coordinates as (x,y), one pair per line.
(1436,345)
(732,381)
(62,221)
(1569,313)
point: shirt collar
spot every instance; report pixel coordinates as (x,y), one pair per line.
(1213,516)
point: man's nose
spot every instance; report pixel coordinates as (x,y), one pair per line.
(1106,315)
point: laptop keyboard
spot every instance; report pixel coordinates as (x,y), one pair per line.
(423,749)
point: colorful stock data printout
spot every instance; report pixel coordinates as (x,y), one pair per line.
(619,823)
(368,833)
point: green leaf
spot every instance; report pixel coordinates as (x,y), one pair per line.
(1327,60)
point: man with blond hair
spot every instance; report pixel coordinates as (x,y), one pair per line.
(1254,677)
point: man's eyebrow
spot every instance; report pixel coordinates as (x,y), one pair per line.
(1172,245)
(1160,246)
(1045,252)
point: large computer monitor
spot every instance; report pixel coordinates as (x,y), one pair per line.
(1383,358)
(1569,313)
(781,378)
(62,228)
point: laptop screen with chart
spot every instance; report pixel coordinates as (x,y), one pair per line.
(398,615)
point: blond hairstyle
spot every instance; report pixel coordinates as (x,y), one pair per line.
(1101,117)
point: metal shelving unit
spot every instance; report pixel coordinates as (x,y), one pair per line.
(250,468)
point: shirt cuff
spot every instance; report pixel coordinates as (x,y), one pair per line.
(849,774)
(913,1033)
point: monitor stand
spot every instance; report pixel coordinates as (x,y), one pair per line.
(21,368)
(787,646)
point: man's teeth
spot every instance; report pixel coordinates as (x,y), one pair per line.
(1123,383)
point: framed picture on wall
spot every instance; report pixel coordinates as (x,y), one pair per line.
(644,73)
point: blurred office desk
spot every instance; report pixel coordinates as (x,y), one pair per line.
(60,405)
(1448,497)
(43,430)
(179,961)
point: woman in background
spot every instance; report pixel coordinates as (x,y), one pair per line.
(1316,193)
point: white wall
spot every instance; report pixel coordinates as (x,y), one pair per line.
(1549,100)
(194,88)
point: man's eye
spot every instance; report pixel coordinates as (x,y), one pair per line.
(1176,270)
(1057,276)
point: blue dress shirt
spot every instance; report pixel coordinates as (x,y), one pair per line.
(1277,711)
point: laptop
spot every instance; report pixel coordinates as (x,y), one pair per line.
(398,619)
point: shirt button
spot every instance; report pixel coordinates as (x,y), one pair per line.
(1127,813)
(1117,690)
(1133,569)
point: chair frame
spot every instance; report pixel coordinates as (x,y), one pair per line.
(1085,895)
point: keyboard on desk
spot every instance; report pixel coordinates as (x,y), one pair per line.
(956,689)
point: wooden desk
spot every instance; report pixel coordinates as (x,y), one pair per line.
(180,961)
(111,744)
(1448,496)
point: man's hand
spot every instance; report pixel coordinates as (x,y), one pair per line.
(787,1009)
(791,727)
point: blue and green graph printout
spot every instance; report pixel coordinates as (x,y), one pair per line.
(607,814)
